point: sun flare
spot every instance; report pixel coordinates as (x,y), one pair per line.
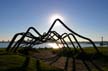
(54,17)
(54,45)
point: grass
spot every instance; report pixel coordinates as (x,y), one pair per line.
(16,62)
(100,59)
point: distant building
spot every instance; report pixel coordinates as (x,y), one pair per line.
(101,43)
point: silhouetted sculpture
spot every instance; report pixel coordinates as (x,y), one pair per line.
(48,37)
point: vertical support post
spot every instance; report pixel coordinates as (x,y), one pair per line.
(38,65)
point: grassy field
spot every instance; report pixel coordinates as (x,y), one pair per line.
(16,62)
(102,59)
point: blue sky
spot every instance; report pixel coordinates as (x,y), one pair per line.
(87,17)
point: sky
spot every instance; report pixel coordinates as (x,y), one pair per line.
(86,17)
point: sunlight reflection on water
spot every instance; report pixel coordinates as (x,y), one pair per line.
(50,45)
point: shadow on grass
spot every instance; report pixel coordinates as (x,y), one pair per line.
(97,60)
(23,67)
(26,64)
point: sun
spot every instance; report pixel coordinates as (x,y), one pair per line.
(54,17)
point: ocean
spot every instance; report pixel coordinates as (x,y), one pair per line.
(4,44)
(51,45)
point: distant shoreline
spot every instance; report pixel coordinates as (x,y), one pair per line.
(68,42)
(83,44)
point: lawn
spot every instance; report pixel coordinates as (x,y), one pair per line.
(16,62)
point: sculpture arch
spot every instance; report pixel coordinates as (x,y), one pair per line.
(47,37)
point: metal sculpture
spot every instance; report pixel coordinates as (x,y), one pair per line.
(49,37)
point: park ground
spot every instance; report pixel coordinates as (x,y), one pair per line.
(19,62)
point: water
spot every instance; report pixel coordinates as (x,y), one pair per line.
(51,45)
(4,44)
